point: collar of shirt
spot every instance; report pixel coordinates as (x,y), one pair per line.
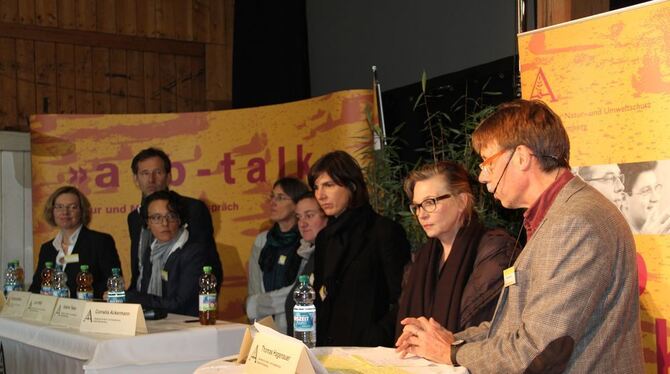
(535,214)
(62,252)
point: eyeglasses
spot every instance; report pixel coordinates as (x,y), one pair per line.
(609,178)
(157,219)
(278,198)
(487,165)
(647,190)
(148,173)
(429,205)
(68,208)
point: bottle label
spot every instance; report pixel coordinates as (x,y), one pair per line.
(11,287)
(85,295)
(46,290)
(304,318)
(61,292)
(207,302)
(116,297)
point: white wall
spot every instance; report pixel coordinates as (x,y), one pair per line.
(403,38)
(16,234)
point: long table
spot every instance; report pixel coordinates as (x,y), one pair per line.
(171,346)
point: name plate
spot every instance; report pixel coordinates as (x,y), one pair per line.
(275,354)
(2,300)
(40,308)
(113,318)
(68,313)
(16,304)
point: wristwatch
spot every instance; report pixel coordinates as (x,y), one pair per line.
(455,346)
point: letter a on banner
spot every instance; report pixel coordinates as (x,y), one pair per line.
(541,88)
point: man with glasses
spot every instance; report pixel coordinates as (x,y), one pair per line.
(643,195)
(151,173)
(570,300)
(607,179)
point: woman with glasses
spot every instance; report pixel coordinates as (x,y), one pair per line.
(274,262)
(358,261)
(169,269)
(311,219)
(456,276)
(75,244)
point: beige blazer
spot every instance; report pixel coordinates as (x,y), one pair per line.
(575,305)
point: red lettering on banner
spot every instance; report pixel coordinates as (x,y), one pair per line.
(256,171)
(109,178)
(303,162)
(541,88)
(662,354)
(178,173)
(281,159)
(227,164)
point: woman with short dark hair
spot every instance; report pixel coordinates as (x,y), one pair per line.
(359,259)
(170,267)
(69,210)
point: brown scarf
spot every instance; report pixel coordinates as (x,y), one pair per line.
(430,292)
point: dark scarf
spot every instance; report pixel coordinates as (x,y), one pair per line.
(433,293)
(279,244)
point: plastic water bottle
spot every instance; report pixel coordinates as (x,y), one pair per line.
(46,278)
(116,289)
(84,284)
(20,276)
(11,282)
(207,304)
(304,313)
(59,283)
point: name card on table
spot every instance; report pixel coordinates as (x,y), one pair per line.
(2,300)
(40,308)
(113,318)
(273,352)
(68,313)
(248,338)
(16,304)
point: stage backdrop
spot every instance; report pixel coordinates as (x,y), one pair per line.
(608,77)
(229,159)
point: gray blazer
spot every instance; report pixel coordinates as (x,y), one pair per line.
(575,305)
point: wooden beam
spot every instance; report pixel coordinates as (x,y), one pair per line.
(102,40)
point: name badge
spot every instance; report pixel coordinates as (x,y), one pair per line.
(72,258)
(509,276)
(282,260)
(164,275)
(323,293)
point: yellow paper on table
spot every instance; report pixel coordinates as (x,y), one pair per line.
(40,308)
(113,318)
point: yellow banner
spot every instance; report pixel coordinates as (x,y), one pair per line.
(608,77)
(229,159)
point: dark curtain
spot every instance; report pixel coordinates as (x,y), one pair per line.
(270,60)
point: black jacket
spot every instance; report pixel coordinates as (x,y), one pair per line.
(180,291)
(95,249)
(358,269)
(200,230)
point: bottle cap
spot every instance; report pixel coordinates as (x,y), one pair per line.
(84,267)
(49,264)
(303,279)
(116,271)
(207,269)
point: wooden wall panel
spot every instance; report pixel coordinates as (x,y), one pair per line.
(183,20)
(146,18)
(184,83)
(126,17)
(152,83)
(216,78)
(135,68)
(25,86)
(118,81)
(198,86)
(165,22)
(105,19)
(85,15)
(67,18)
(46,12)
(65,78)
(168,83)
(83,69)
(8,114)
(9,10)
(552,12)
(27,12)
(217,15)
(201,20)
(45,78)
(101,87)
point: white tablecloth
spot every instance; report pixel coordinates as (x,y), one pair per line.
(171,346)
